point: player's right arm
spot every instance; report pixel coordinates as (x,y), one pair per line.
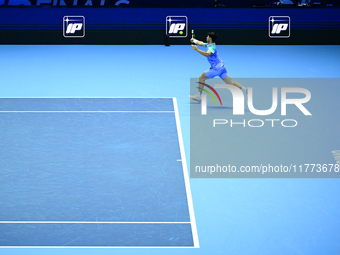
(200,43)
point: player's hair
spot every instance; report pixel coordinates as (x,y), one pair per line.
(213,36)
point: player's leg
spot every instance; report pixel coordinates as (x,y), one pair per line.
(202,79)
(229,81)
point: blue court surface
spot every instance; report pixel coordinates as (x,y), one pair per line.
(93,172)
(93,154)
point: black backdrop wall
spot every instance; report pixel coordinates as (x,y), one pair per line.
(267,26)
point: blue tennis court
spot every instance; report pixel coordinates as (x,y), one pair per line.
(233,215)
(93,172)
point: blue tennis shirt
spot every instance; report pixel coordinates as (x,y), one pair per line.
(214,59)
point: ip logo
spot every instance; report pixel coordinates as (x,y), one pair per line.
(279,26)
(177,26)
(74,26)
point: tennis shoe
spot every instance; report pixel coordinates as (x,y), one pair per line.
(196,97)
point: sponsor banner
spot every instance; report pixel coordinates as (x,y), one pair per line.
(177,26)
(74,26)
(279,26)
(152,26)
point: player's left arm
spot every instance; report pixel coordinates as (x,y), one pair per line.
(204,53)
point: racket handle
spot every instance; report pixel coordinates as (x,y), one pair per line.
(192,35)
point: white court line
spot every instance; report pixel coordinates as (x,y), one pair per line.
(82,97)
(86,111)
(101,247)
(89,222)
(186,178)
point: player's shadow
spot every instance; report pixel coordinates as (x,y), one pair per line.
(218,107)
(223,107)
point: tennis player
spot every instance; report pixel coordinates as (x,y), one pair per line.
(217,67)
